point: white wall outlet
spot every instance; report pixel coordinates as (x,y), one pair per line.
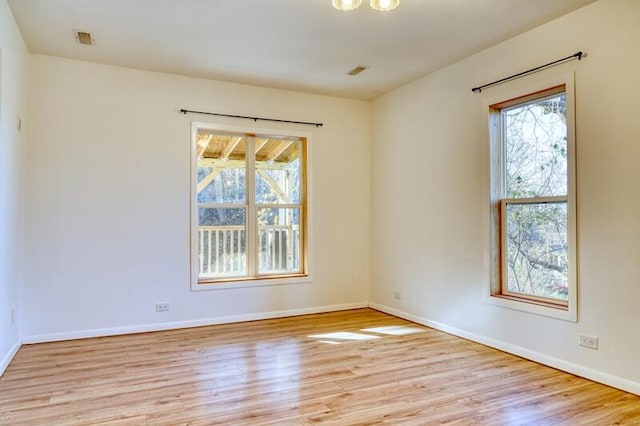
(397,295)
(163,307)
(590,342)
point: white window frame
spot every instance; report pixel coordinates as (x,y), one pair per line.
(494,292)
(305,220)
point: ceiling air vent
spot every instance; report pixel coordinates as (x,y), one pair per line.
(84,37)
(357,70)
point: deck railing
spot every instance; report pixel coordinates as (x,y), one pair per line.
(222,249)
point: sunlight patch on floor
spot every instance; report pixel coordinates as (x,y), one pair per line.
(395,330)
(371,333)
(344,335)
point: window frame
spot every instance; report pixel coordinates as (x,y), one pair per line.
(251,208)
(492,108)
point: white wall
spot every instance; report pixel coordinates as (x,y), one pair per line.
(13,73)
(107,222)
(430,224)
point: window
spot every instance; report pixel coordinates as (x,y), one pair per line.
(533,201)
(249,215)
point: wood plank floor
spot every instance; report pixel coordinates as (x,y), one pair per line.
(345,368)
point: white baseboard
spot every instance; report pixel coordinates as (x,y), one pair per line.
(9,356)
(144,328)
(560,364)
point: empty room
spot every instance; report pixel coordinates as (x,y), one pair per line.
(285,212)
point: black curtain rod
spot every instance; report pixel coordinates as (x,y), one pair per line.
(577,56)
(306,123)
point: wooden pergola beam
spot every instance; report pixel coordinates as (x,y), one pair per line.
(275,154)
(208,179)
(261,145)
(226,152)
(273,185)
(241,164)
(203,144)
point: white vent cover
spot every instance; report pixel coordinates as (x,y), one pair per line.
(357,70)
(84,37)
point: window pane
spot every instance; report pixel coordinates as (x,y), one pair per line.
(536,148)
(537,259)
(278,171)
(222,243)
(221,176)
(279,240)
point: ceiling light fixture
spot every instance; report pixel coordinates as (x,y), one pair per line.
(346,4)
(383,5)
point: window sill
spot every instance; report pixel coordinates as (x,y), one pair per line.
(232,283)
(523,305)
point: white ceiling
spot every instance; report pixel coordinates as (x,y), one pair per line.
(303,45)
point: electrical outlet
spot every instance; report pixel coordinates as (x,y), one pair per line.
(397,295)
(590,342)
(163,307)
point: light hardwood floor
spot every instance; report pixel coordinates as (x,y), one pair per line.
(345,368)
